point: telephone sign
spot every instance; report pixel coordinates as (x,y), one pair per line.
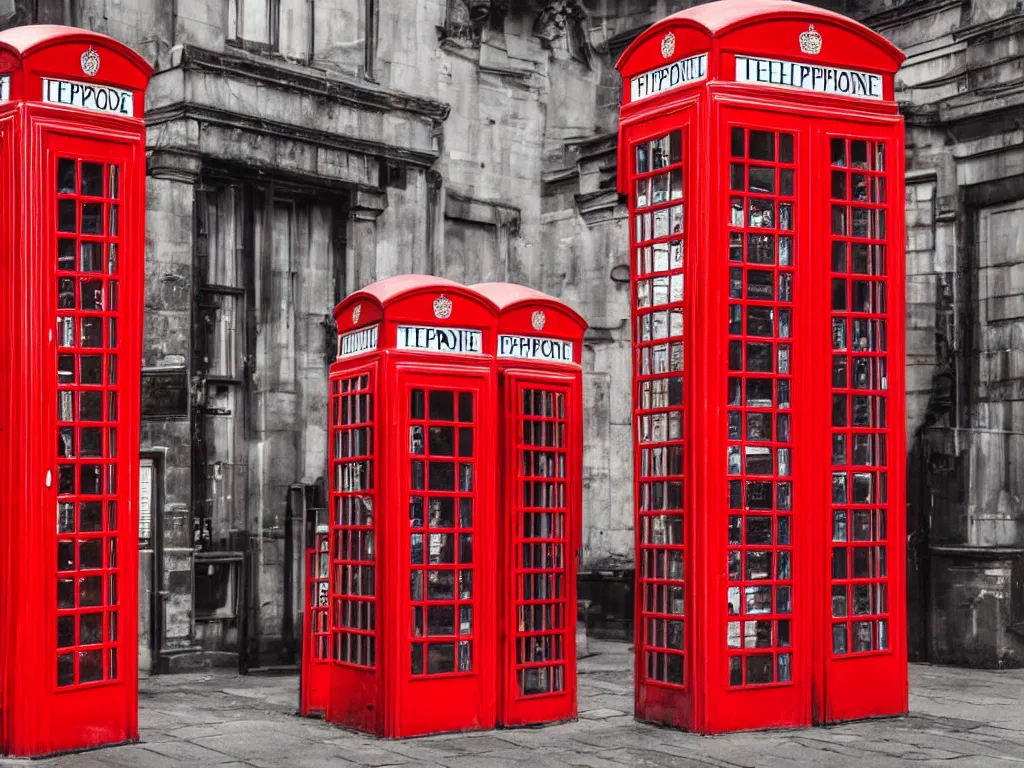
(69,93)
(358,342)
(678,73)
(456,341)
(835,81)
(535,348)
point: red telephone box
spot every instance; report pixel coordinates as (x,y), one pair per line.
(762,153)
(315,679)
(413,577)
(538,348)
(72,198)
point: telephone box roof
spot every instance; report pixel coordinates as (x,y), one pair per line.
(27,40)
(718,18)
(392,290)
(507,295)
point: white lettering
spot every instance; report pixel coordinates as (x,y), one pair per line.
(357,342)
(5,87)
(535,348)
(674,75)
(98,98)
(808,77)
(451,341)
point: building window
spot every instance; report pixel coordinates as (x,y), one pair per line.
(254,24)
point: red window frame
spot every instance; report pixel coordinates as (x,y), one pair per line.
(760,459)
(354,572)
(442,534)
(663,242)
(91,478)
(542,537)
(469,694)
(319,599)
(860,164)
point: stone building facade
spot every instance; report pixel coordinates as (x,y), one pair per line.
(299,149)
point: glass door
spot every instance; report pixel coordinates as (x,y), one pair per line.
(354,576)
(863,642)
(317,627)
(95,273)
(540,673)
(447,488)
(663,265)
(88,416)
(765,664)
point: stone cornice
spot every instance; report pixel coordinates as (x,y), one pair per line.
(368,206)
(603,205)
(906,12)
(280,73)
(1005,26)
(173,165)
(490,212)
(287,131)
(596,146)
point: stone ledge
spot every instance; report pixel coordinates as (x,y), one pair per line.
(309,80)
(286,131)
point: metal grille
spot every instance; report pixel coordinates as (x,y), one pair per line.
(354,609)
(88,416)
(658,208)
(759,560)
(859,572)
(541,551)
(442,456)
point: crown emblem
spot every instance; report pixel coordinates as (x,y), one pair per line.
(668,45)
(538,319)
(91,61)
(442,307)
(810,41)
(357,310)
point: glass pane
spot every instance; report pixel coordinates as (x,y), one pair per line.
(92,179)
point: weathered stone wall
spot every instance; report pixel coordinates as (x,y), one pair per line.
(962,87)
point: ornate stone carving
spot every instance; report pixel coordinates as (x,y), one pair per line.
(466,20)
(563,22)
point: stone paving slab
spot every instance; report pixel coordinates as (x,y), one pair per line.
(959,718)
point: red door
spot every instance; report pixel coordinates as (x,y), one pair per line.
(663,231)
(316,657)
(765,329)
(445,474)
(92,594)
(859,169)
(355,566)
(542,477)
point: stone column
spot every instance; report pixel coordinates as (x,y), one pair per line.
(167,346)
(361,256)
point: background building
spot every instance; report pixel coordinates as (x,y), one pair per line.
(299,149)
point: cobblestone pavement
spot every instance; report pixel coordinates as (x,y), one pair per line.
(959,718)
